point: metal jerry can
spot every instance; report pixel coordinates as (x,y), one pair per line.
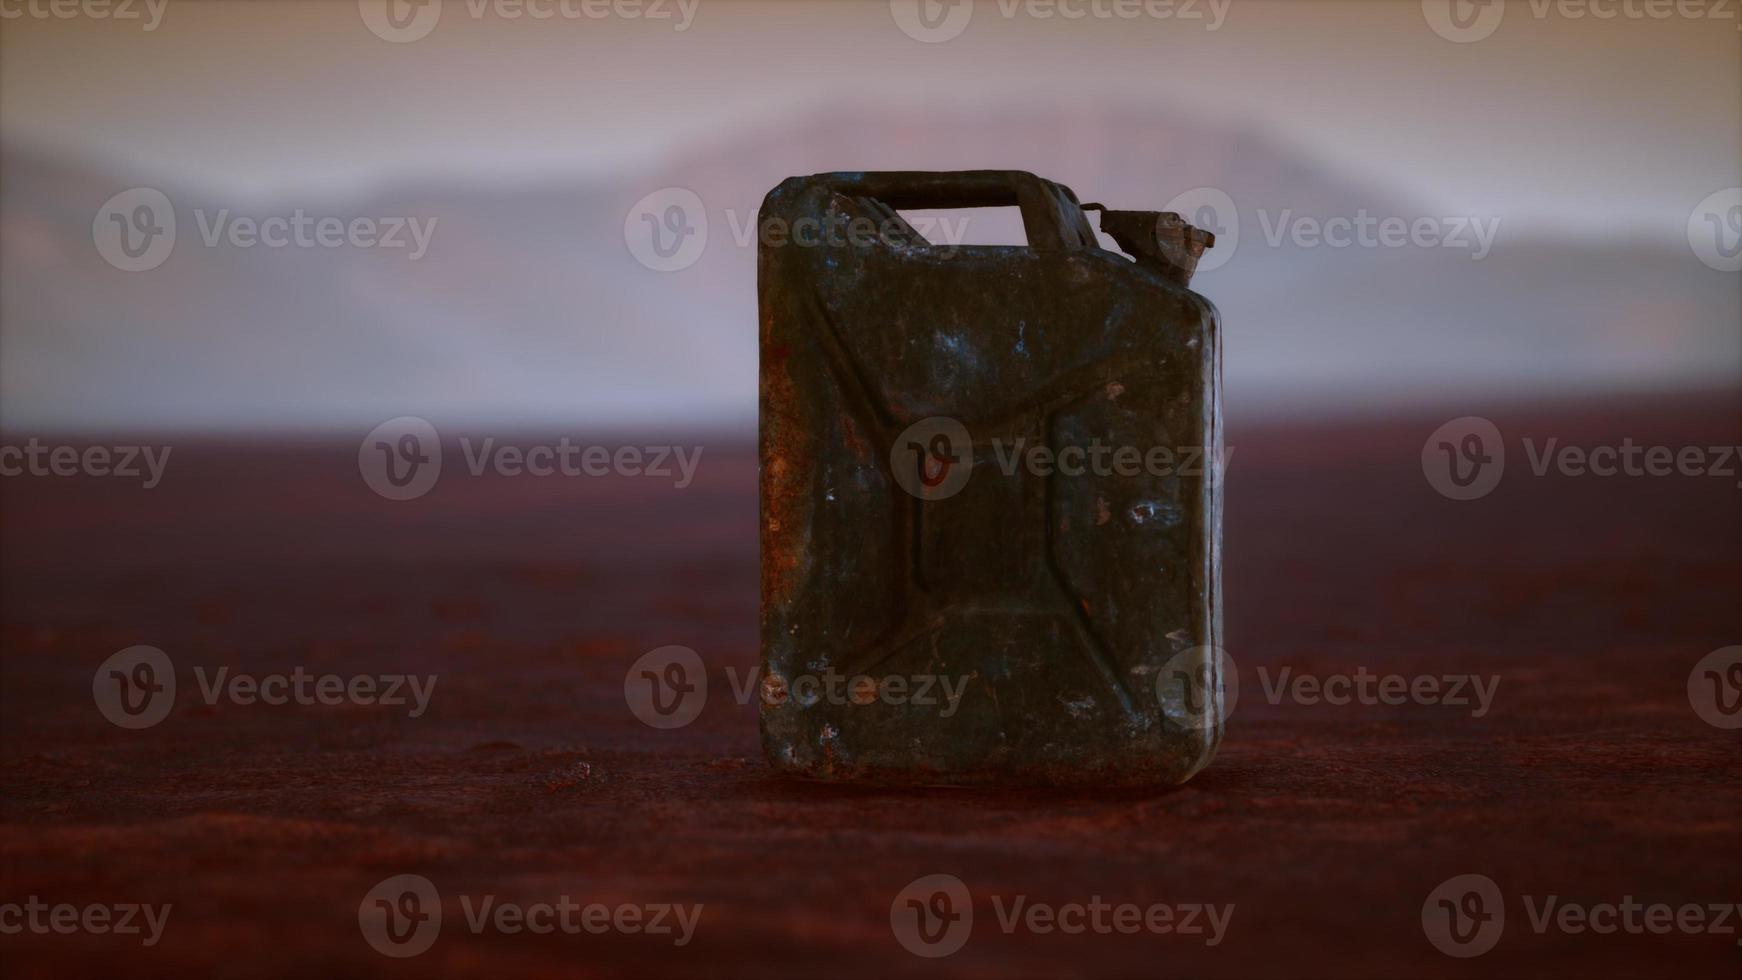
(990,489)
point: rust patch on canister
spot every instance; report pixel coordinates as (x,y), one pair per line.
(782,479)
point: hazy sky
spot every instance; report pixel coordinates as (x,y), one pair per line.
(1553,119)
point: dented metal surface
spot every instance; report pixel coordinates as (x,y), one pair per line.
(922,526)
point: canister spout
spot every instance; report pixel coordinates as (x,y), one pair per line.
(1158,240)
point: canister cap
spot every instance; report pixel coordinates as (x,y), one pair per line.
(1160,240)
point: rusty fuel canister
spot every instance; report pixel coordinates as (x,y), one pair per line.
(990,491)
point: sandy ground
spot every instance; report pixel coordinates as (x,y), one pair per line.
(1590,777)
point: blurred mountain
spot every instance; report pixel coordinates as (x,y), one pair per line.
(529,308)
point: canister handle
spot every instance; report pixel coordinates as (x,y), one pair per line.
(1051,217)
